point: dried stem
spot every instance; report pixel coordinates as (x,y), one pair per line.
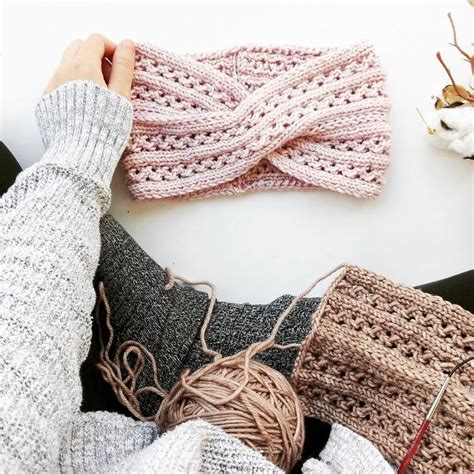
(431,130)
(469,58)
(467,96)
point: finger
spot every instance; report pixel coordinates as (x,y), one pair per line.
(71,51)
(123,63)
(106,69)
(95,47)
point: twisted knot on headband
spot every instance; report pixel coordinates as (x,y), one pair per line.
(245,398)
(256,118)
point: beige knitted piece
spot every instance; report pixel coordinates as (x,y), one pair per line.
(375,359)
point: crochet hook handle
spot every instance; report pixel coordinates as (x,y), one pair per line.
(414,446)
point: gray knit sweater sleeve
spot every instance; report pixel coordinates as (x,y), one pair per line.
(49,249)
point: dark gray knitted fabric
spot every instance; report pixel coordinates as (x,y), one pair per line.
(235,326)
(168,322)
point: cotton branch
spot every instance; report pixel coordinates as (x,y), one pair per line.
(467,96)
(469,58)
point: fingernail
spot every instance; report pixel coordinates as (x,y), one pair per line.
(126,44)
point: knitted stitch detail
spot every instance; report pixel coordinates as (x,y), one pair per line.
(375,359)
(254,118)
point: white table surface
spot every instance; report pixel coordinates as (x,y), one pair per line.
(257,246)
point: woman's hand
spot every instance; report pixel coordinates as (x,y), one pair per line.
(99,60)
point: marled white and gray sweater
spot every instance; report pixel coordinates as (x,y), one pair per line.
(49,250)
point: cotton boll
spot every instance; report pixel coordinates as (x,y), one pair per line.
(454,129)
(457,128)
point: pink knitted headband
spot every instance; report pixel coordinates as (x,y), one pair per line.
(258,118)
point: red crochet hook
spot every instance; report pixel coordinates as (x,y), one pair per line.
(426,422)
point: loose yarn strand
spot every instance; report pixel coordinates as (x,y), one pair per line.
(270,342)
(171,280)
(111,371)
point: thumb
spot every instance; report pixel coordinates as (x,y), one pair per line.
(123,63)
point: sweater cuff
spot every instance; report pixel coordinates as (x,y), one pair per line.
(84,127)
(347,451)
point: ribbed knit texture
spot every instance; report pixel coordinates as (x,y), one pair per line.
(81,121)
(255,118)
(376,356)
(97,439)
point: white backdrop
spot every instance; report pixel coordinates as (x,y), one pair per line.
(256,246)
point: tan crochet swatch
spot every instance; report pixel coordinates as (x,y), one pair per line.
(375,359)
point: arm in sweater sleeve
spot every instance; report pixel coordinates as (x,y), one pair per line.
(49,250)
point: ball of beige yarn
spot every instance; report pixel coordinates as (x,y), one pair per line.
(253,403)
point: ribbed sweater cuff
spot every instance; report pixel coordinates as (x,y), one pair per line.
(84,127)
(346,451)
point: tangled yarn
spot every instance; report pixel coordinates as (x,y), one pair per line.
(245,398)
(255,118)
